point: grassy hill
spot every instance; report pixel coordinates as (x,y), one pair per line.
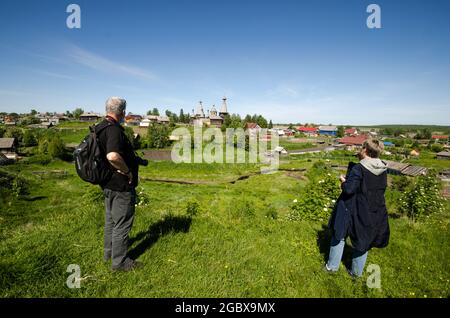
(239,244)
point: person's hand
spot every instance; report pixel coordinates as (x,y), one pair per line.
(342,178)
(129,175)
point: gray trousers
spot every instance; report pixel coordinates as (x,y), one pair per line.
(119,218)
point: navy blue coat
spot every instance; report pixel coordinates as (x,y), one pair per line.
(360,211)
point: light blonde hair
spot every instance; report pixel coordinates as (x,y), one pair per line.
(373,147)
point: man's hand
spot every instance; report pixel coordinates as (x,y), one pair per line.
(342,178)
(129,175)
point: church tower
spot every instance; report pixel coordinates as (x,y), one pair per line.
(223,110)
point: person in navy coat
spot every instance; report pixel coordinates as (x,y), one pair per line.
(360,212)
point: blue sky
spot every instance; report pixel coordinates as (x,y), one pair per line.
(291,61)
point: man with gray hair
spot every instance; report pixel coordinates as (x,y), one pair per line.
(119,189)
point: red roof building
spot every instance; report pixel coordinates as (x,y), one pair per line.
(308,129)
(252,126)
(444,137)
(353,140)
(351,132)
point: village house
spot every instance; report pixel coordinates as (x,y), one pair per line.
(90,117)
(133,120)
(351,132)
(440,138)
(8,148)
(443,155)
(353,142)
(252,129)
(309,131)
(328,130)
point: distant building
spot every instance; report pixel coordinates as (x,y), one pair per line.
(351,132)
(436,138)
(133,120)
(93,117)
(443,155)
(211,119)
(8,148)
(328,130)
(398,168)
(353,140)
(310,131)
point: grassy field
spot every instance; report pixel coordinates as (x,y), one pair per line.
(240,244)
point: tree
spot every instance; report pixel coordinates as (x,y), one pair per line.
(261,121)
(77,113)
(14,133)
(33,112)
(158,136)
(29,139)
(182,119)
(155,111)
(2,132)
(270,124)
(56,148)
(340,132)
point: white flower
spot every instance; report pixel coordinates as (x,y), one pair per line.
(325,209)
(295,201)
(334,201)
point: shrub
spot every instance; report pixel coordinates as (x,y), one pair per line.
(29,139)
(317,199)
(56,148)
(422,199)
(158,136)
(192,208)
(400,183)
(272,213)
(14,133)
(437,147)
(40,159)
(242,208)
(13,184)
(142,197)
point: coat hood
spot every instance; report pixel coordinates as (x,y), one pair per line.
(374,165)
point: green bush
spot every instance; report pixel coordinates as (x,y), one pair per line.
(400,183)
(422,199)
(14,132)
(437,147)
(142,197)
(158,136)
(317,199)
(29,140)
(40,159)
(192,208)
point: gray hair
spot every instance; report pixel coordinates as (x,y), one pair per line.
(115,105)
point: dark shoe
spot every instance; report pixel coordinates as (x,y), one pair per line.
(328,270)
(353,276)
(129,266)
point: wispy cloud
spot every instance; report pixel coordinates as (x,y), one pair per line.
(56,75)
(103,64)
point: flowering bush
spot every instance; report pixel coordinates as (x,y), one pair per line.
(422,198)
(142,197)
(317,200)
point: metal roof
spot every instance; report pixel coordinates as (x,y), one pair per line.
(6,143)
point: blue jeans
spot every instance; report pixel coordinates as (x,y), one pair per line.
(336,251)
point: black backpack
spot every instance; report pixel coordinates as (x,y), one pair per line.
(90,159)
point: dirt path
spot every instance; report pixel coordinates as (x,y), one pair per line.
(289,172)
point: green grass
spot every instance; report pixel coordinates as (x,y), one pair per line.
(230,249)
